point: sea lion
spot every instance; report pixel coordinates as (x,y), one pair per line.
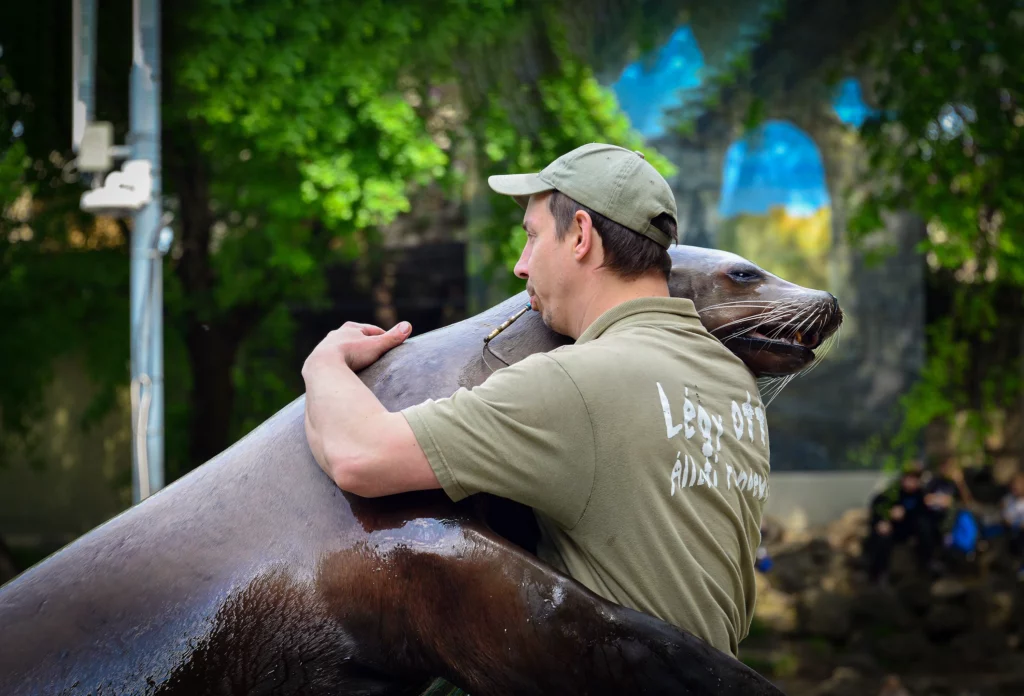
(256,574)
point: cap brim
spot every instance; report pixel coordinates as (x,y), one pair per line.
(519,186)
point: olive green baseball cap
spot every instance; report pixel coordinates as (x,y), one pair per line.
(613,181)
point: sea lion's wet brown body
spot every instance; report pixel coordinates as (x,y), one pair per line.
(255,574)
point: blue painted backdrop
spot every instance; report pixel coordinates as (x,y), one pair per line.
(776,165)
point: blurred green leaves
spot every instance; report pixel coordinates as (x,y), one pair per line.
(948,144)
(295,132)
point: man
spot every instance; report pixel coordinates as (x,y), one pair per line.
(897,515)
(1012,506)
(642,448)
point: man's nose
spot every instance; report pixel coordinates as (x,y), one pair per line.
(520,269)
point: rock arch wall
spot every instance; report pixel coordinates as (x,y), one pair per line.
(827,419)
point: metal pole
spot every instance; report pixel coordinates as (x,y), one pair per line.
(146,300)
(83,67)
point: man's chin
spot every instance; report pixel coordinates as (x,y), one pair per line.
(546,318)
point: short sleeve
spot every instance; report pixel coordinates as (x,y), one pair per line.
(525,434)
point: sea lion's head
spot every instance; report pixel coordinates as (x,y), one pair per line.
(773,325)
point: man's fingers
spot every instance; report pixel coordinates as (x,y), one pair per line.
(399,333)
(370,329)
(365,329)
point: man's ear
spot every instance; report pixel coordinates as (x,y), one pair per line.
(585,236)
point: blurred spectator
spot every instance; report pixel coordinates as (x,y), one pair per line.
(945,495)
(1013,516)
(763,561)
(892,685)
(898,515)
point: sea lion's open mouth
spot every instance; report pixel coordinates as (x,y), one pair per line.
(790,350)
(772,335)
(782,348)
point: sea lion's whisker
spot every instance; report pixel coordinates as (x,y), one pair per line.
(824,349)
(764,320)
(787,324)
(775,304)
(754,327)
(755,316)
(739,303)
(779,329)
(772,387)
(760,319)
(744,301)
(830,343)
(777,388)
(764,384)
(811,318)
(736,306)
(742,331)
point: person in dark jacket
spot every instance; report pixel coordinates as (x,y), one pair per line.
(1013,516)
(898,514)
(944,494)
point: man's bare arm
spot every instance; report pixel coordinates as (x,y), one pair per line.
(363,447)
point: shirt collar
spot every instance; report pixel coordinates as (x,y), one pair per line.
(631,311)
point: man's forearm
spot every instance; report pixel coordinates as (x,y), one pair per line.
(363,447)
(341,416)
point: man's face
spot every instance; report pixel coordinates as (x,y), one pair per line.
(948,469)
(1017,486)
(546,263)
(911,483)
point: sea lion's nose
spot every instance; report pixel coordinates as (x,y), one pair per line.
(835,302)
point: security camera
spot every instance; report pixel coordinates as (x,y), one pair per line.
(123,192)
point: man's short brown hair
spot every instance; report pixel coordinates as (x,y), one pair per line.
(628,254)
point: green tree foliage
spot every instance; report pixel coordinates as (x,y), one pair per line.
(294,134)
(61,278)
(318,122)
(12,156)
(948,143)
(63,274)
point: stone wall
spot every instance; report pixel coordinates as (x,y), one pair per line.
(822,420)
(820,627)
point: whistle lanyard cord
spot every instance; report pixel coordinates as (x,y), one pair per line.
(497,332)
(483,356)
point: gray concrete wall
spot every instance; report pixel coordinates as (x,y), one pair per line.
(825,420)
(76,478)
(802,500)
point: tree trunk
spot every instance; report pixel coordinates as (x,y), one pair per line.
(8,568)
(384,310)
(212,336)
(212,350)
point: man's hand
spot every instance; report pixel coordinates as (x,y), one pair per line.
(358,345)
(363,447)
(897,513)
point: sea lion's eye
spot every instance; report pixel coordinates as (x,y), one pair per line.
(744,275)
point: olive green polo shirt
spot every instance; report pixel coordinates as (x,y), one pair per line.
(642,448)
